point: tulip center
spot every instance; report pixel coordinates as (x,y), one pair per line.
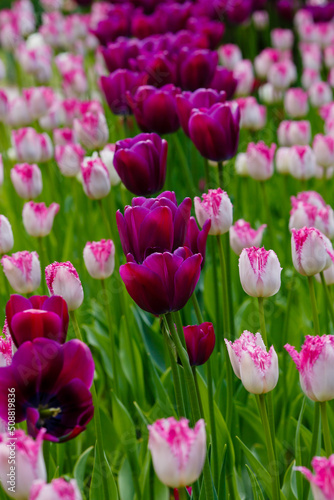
(45,413)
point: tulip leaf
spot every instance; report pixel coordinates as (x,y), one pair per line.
(102,474)
(261,472)
(161,396)
(153,340)
(257,492)
(80,467)
(290,483)
(125,482)
(298,449)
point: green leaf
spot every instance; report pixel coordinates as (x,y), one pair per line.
(102,472)
(290,483)
(257,492)
(261,472)
(80,467)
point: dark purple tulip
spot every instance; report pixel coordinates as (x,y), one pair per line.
(38,316)
(200,342)
(321,13)
(117,55)
(201,98)
(51,383)
(115,87)
(175,15)
(164,282)
(153,225)
(143,26)
(155,109)
(238,11)
(116,24)
(159,68)
(224,80)
(215,132)
(258,4)
(196,68)
(196,239)
(286,9)
(141,163)
(212,30)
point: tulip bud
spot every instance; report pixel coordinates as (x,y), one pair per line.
(322,485)
(27,180)
(260,160)
(92,130)
(311,251)
(178,452)
(58,489)
(200,342)
(302,162)
(107,155)
(38,219)
(282,160)
(243,236)
(6,235)
(23,271)
(260,272)
(69,158)
(62,279)
(216,206)
(99,257)
(95,176)
(323,147)
(252,364)
(29,462)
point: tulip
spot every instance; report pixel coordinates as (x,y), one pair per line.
(58,489)
(215,132)
(241,165)
(282,39)
(260,19)
(118,54)
(311,56)
(26,142)
(62,402)
(253,116)
(282,74)
(62,279)
(224,81)
(309,77)
(6,235)
(178,452)
(196,68)
(195,239)
(230,55)
(302,162)
(260,160)
(115,87)
(270,94)
(314,360)
(62,136)
(252,364)
(200,342)
(38,316)
(292,133)
(18,114)
(3,105)
(304,214)
(141,163)
(39,100)
(260,272)
(322,483)
(244,74)
(151,225)
(99,257)
(282,160)
(29,462)
(323,147)
(69,158)
(23,271)
(164,282)
(296,102)
(95,176)
(242,235)
(38,219)
(92,130)
(6,350)
(46,148)
(320,93)
(310,197)
(238,11)
(329,56)
(107,156)
(311,251)
(264,61)
(27,180)
(216,206)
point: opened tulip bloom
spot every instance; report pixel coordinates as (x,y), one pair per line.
(61,403)
(253,365)
(38,316)
(58,489)
(141,163)
(23,271)
(62,279)
(38,219)
(217,207)
(260,272)
(200,342)
(178,452)
(322,481)
(311,251)
(242,235)
(315,364)
(6,235)
(99,257)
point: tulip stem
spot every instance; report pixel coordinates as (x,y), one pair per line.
(328,299)
(221,174)
(207,173)
(75,326)
(193,368)
(325,428)
(270,449)
(179,327)
(314,305)
(262,322)
(198,311)
(112,338)
(267,213)
(43,260)
(105,219)
(183,495)
(229,284)
(314,442)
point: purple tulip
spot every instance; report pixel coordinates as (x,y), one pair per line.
(196,68)
(215,132)
(153,225)
(155,109)
(224,80)
(212,30)
(201,98)
(115,25)
(117,85)
(175,15)
(196,239)
(117,55)
(200,342)
(159,68)
(164,282)
(51,383)
(238,11)
(141,163)
(38,316)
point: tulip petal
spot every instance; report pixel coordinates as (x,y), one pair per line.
(185,281)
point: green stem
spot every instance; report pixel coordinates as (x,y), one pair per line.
(270,449)
(105,219)
(207,173)
(328,299)
(227,250)
(262,322)
(198,311)
(179,327)
(314,443)
(193,368)
(75,326)
(314,306)
(183,495)
(325,428)
(43,260)
(221,174)
(267,214)
(112,338)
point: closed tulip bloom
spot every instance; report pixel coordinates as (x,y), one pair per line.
(253,116)
(38,316)
(164,282)
(282,160)
(252,364)
(27,180)
(200,342)
(39,100)
(6,235)
(23,271)
(282,39)
(322,482)
(62,136)
(282,74)
(230,55)
(294,133)
(99,257)
(296,102)
(242,235)
(216,206)
(302,162)
(323,147)
(320,93)
(62,279)
(315,363)
(107,155)
(116,85)
(196,68)
(196,239)
(6,352)
(260,159)
(244,74)
(264,61)
(304,214)
(215,132)
(95,176)
(29,462)
(260,272)
(241,165)
(310,197)
(69,158)
(38,218)
(311,251)
(27,145)
(141,163)
(46,148)
(178,452)
(92,130)
(309,77)
(224,81)
(58,489)
(18,114)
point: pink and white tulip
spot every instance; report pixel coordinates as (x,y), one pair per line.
(62,279)
(69,158)
(6,354)
(18,112)
(243,72)
(320,93)
(311,197)
(252,364)
(310,77)
(260,160)
(260,19)
(92,130)
(99,257)
(311,251)
(107,156)
(95,177)
(260,272)
(58,489)
(216,206)
(264,61)
(323,147)
(178,452)
(6,235)
(230,55)
(322,482)
(23,271)
(311,56)
(30,146)
(294,133)
(296,102)
(242,235)
(282,39)
(282,74)
(27,180)
(329,56)
(38,218)
(269,94)
(303,214)
(241,165)
(253,116)
(62,136)
(282,160)
(39,100)
(302,162)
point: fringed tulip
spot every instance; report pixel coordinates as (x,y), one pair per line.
(62,279)
(58,489)
(200,342)
(260,160)
(27,180)
(310,197)
(311,251)
(99,257)
(322,482)
(6,348)
(38,218)
(304,214)
(216,206)
(242,235)
(23,271)
(178,452)
(6,235)
(95,176)
(260,272)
